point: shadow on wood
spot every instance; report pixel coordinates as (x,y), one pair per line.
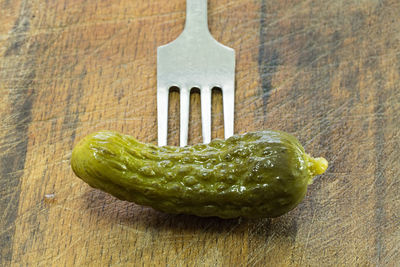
(114,211)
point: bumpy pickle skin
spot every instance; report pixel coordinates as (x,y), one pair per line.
(255,175)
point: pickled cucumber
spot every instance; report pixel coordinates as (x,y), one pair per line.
(255,175)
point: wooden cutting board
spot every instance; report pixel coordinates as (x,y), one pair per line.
(325,71)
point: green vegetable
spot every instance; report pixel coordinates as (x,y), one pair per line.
(259,174)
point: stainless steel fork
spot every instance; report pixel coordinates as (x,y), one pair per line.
(195,59)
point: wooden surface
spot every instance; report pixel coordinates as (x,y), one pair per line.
(327,71)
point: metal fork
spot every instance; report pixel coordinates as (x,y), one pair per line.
(195,59)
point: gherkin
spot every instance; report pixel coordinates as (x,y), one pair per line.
(255,175)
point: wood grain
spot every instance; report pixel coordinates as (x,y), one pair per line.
(326,71)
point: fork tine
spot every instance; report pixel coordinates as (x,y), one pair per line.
(184,110)
(205,95)
(162,114)
(228,98)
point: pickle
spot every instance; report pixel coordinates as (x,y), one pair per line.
(255,175)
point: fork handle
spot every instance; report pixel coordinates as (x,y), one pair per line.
(196,16)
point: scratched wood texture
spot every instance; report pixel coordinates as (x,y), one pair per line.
(327,71)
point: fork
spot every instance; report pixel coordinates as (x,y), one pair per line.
(195,60)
